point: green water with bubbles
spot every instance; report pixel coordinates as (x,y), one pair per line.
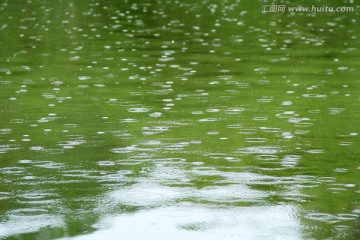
(178,119)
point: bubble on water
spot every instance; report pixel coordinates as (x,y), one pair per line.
(323,217)
(138,110)
(71,143)
(214,82)
(315,151)
(37,148)
(237,110)
(106,163)
(71,125)
(266,157)
(75,58)
(327,179)
(213,133)
(260,150)
(287,135)
(290,161)
(128,149)
(252,140)
(356,211)
(270,129)
(197,112)
(294,120)
(345,143)
(212,110)
(4,195)
(260,118)
(265,99)
(25,161)
(286,103)
(232,159)
(83,78)
(5,131)
(343,68)
(128,120)
(347,216)
(339,189)
(28,211)
(336,110)
(154,130)
(303,124)
(198,163)
(152,143)
(314,95)
(208,120)
(155,114)
(177,146)
(315,111)
(12,170)
(48,164)
(36,196)
(46,119)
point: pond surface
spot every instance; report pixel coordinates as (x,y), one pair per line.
(178,119)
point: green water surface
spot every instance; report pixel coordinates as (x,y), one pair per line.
(196,119)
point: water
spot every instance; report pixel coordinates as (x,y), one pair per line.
(189,120)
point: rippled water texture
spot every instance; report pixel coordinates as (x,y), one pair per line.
(178,120)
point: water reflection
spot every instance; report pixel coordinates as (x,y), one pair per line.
(191,119)
(189,221)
